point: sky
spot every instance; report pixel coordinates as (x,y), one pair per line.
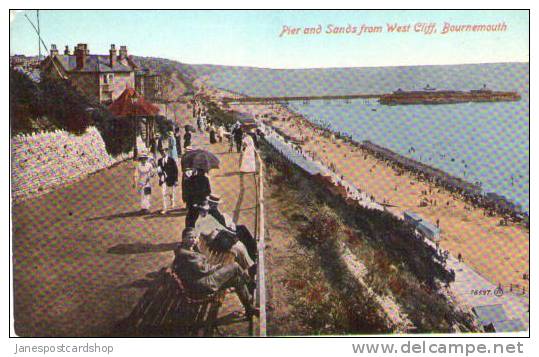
(252,38)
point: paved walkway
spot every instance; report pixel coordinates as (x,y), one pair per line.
(83,256)
(474,290)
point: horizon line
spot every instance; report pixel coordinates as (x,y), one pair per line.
(316,67)
(337,67)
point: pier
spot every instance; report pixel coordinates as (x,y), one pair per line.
(398,97)
(304,99)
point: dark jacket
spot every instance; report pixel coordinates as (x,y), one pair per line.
(168,172)
(213,137)
(195,271)
(255,139)
(197,188)
(238,134)
(178,144)
(187,139)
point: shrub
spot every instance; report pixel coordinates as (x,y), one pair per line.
(53,104)
(399,263)
(323,225)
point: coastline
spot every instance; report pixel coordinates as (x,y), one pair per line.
(499,253)
(472,192)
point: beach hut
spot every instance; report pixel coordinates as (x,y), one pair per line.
(429,230)
(425,228)
(412,218)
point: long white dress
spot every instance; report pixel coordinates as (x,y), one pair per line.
(248,164)
(143,175)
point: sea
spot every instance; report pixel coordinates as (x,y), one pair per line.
(479,142)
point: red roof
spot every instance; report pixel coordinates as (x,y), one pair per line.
(130,103)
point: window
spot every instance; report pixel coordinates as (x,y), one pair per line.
(108,78)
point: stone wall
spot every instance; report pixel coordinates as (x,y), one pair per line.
(42,161)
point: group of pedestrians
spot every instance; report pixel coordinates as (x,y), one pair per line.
(167,171)
(203,220)
(171,142)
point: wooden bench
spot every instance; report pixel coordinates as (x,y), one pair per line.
(168,307)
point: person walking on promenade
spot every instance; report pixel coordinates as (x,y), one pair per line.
(167,169)
(203,278)
(197,188)
(238,137)
(254,134)
(199,122)
(178,138)
(156,145)
(220,133)
(187,138)
(231,139)
(171,143)
(202,124)
(248,163)
(187,172)
(213,135)
(153,148)
(144,171)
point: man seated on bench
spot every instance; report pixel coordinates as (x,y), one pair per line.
(203,278)
(219,238)
(241,231)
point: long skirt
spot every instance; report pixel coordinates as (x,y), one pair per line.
(248,163)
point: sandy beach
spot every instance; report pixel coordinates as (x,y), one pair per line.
(499,253)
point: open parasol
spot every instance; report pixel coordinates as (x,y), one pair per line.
(200,159)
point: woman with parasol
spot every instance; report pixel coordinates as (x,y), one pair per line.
(197,186)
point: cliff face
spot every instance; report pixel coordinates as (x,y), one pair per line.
(177,77)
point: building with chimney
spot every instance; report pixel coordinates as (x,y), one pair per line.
(100,77)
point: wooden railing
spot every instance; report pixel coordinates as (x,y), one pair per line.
(260,235)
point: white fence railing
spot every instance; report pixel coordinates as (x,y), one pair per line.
(260,235)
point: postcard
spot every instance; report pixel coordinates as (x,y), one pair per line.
(252,173)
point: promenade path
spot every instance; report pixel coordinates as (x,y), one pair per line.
(83,255)
(468,282)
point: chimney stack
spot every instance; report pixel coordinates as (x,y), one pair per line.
(81,52)
(112,55)
(53,51)
(123,52)
(66,51)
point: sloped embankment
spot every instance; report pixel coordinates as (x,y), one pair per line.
(333,271)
